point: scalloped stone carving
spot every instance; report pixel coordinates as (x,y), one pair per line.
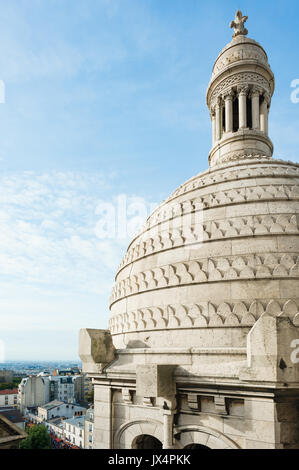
(206,315)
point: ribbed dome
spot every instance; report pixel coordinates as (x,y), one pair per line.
(221,251)
(240,49)
(200,358)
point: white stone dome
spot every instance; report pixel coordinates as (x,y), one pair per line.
(216,255)
(239,51)
(205,307)
(223,249)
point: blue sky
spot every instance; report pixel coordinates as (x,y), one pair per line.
(106,98)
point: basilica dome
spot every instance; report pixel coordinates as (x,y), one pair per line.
(202,347)
(222,250)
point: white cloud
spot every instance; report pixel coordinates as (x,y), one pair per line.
(47,233)
(48,237)
(55,274)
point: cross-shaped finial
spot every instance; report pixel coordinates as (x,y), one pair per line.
(238,25)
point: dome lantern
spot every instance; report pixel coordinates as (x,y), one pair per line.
(239,98)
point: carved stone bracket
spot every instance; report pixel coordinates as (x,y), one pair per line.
(126,394)
(96,349)
(147,401)
(220,405)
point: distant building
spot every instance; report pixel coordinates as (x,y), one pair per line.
(74,431)
(9,397)
(55,427)
(88,387)
(37,390)
(43,373)
(69,389)
(6,376)
(57,408)
(88,428)
(67,372)
(32,392)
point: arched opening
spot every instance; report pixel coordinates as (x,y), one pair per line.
(196,447)
(201,438)
(249,113)
(223,119)
(145,441)
(235,114)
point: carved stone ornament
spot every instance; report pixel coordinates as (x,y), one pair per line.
(238,25)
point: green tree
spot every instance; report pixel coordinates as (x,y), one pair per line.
(38,438)
(16,381)
(90,396)
(6,386)
(10,385)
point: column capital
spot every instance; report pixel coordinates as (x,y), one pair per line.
(213,103)
(228,95)
(243,89)
(255,91)
(219,101)
(267,98)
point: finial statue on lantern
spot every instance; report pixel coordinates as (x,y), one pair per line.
(238,25)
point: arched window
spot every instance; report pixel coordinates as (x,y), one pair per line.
(145,441)
(196,447)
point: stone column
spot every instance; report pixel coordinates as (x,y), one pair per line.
(103,417)
(168,429)
(228,99)
(242,95)
(221,119)
(213,118)
(264,116)
(255,106)
(218,121)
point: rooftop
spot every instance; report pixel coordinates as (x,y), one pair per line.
(10,434)
(12,414)
(77,421)
(52,404)
(56,421)
(13,391)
